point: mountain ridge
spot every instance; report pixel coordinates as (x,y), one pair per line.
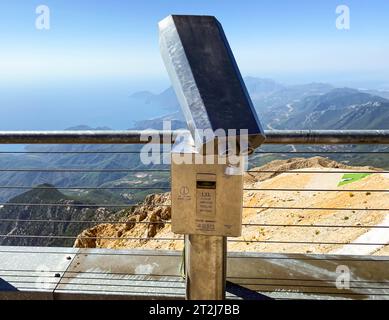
(43,216)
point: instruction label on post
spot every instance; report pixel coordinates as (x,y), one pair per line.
(206,203)
(206,196)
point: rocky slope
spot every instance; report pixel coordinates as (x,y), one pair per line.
(281,221)
(44,216)
(149,221)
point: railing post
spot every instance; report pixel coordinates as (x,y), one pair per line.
(206,261)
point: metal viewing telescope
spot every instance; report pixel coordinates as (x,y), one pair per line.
(207,195)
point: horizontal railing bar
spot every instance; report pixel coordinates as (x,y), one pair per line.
(106,292)
(316,208)
(49,274)
(181,280)
(87,272)
(163,222)
(127,292)
(180,285)
(278,285)
(318,171)
(73,274)
(99,253)
(72,152)
(126,279)
(84,188)
(16,204)
(327,137)
(320,152)
(168,205)
(316,190)
(326,257)
(181,239)
(294,256)
(165,152)
(168,137)
(85,237)
(177,295)
(312,226)
(88,137)
(84,170)
(308,242)
(305,280)
(85,221)
(70,170)
(168,188)
(344,293)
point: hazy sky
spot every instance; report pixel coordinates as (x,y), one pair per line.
(116,40)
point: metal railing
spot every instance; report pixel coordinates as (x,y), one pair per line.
(261,245)
(141,137)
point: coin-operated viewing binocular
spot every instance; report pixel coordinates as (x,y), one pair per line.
(207,175)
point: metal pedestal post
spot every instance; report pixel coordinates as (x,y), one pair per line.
(205,261)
